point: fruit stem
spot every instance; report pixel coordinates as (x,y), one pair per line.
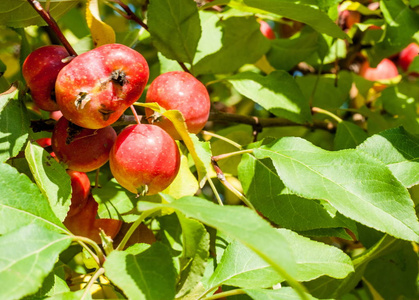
(220,137)
(99,257)
(134,226)
(214,190)
(228,185)
(225,294)
(53,25)
(227,155)
(92,280)
(134,112)
(326,112)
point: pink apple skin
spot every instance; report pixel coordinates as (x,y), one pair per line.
(181,91)
(82,149)
(40,70)
(347,18)
(96,87)
(267,30)
(56,115)
(407,55)
(80,186)
(386,69)
(144,158)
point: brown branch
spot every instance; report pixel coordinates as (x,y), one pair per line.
(53,25)
(130,15)
(220,117)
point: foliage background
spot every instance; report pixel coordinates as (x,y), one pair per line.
(330,165)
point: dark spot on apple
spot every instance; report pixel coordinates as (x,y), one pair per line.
(52,95)
(106,113)
(48,164)
(119,77)
(72,131)
(81,100)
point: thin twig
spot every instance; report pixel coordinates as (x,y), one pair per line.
(228,185)
(53,25)
(92,280)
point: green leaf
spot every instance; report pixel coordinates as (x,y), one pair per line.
(397,149)
(402,107)
(195,254)
(21,203)
(277,92)
(348,135)
(352,181)
(185,183)
(228,44)
(267,192)
(414,65)
(51,178)
(147,275)
(286,53)
(77,295)
(14,124)
(53,284)
(115,202)
(258,235)
(401,24)
(336,288)
(394,275)
(23,268)
(302,12)
(242,267)
(175,28)
(284,293)
(19,13)
(327,94)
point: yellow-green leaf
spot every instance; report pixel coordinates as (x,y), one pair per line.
(185,183)
(102,33)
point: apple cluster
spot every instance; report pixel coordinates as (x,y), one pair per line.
(92,91)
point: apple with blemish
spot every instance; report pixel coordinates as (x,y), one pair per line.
(144,159)
(40,70)
(96,87)
(81,149)
(181,91)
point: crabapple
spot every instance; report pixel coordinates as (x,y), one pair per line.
(80,186)
(386,69)
(347,18)
(40,70)
(407,55)
(266,30)
(45,143)
(96,87)
(144,159)
(84,223)
(81,149)
(181,91)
